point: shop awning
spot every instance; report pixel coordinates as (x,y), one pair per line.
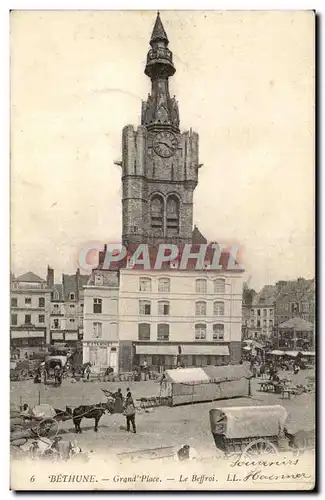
(157,350)
(187,350)
(205,350)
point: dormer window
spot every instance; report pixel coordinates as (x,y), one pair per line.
(98,279)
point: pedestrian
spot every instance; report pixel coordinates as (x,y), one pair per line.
(129,412)
(87,372)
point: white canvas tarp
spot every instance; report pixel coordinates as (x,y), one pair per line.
(251,421)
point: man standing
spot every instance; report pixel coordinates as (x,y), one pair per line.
(129,412)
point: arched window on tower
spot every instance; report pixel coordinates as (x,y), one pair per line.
(172,215)
(157,215)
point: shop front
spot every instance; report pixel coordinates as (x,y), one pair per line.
(101,355)
(27,341)
(161,357)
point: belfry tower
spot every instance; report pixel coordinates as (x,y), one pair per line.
(159,163)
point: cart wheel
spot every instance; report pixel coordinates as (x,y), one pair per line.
(47,428)
(259,447)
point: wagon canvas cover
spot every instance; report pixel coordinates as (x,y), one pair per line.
(251,421)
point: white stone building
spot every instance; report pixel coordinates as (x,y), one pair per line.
(171,313)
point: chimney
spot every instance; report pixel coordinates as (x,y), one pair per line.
(50,277)
(77,283)
(101,258)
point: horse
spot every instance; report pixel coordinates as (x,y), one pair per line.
(90,411)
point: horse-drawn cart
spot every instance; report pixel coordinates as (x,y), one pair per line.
(41,421)
(52,369)
(255,430)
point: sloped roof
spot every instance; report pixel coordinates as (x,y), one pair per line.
(297,290)
(59,289)
(197,237)
(30,277)
(299,324)
(207,374)
(158,32)
(69,282)
(110,278)
(266,296)
(153,251)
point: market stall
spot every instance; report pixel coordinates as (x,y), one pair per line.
(193,385)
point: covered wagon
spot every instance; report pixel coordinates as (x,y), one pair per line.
(211,383)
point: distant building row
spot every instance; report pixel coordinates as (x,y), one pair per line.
(267,313)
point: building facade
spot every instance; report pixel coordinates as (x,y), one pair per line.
(67,308)
(190,316)
(296,299)
(101,318)
(30,312)
(261,321)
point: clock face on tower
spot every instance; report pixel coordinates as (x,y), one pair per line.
(165,144)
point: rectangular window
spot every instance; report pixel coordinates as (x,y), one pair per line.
(218,332)
(28,300)
(145,285)
(164,285)
(163,308)
(258,312)
(56,306)
(97,330)
(218,309)
(264,322)
(201,286)
(144,307)
(200,331)
(41,302)
(163,332)
(258,323)
(41,318)
(219,286)
(200,309)
(144,331)
(28,319)
(56,323)
(14,319)
(264,312)
(14,302)
(71,306)
(97,306)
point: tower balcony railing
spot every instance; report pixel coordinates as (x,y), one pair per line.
(159,53)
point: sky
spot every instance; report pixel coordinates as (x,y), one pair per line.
(244,81)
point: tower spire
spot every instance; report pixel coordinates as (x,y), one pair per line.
(160,109)
(158,32)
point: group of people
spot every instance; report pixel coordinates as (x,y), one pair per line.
(261,368)
(127,407)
